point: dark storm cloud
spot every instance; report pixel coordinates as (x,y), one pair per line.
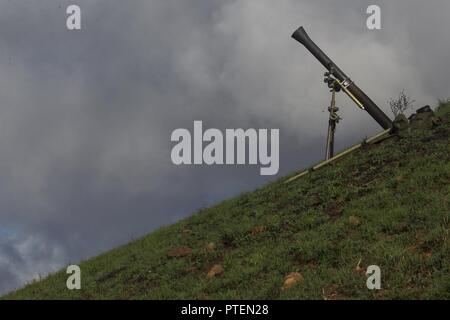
(86,116)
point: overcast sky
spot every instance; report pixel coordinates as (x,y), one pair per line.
(86,116)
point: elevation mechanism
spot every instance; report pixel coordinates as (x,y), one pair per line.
(348,86)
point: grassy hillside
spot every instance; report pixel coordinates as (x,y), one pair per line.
(386,204)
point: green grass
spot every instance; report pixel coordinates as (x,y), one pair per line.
(387,205)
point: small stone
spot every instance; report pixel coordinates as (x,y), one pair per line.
(179,252)
(423,119)
(290,280)
(424,109)
(215,271)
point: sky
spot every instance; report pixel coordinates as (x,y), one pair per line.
(86,116)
